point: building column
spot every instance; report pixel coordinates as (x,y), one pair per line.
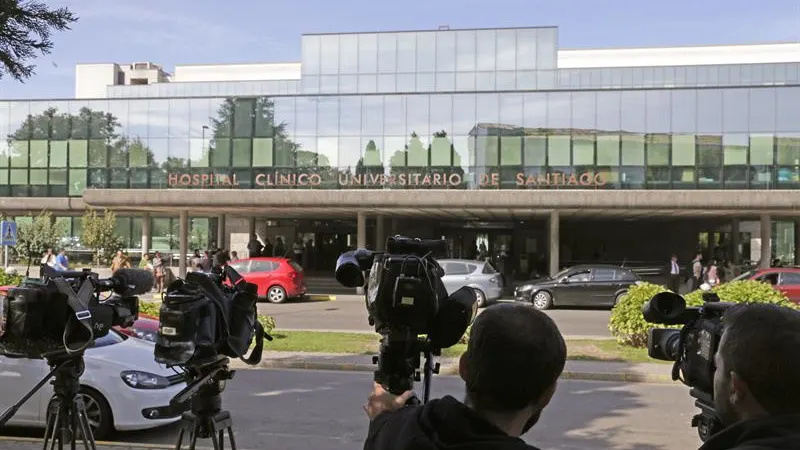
(380,233)
(252,229)
(554,242)
(147,233)
(736,241)
(183,234)
(766,241)
(361,239)
(393,226)
(221,232)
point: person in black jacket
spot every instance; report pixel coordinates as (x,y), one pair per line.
(757,380)
(513,360)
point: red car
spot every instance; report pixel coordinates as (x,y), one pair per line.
(784,279)
(278,279)
(146,327)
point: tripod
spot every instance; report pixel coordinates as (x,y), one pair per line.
(206,419)
(66,414)
(398,365)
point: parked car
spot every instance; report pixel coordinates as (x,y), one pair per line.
(278,279)
(584,285)
(784,279)
(479,275)
(146,327)
(123,388)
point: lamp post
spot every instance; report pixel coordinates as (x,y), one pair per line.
(205,127)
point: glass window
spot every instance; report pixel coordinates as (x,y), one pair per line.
(735,110)
(558,110)
(77,182)
(762,151)
(328,116)
(221,153)
(788,150)
(367,53)
(426,51)
(285,153)
(506,50)
(58,177)
(243,115)
(633,111)
(735,149)
(535,150)
(511,151)
(19,153)
(262,152)
(98,153)
(709,110)
(310,54)
(441,151)
(658,111)
(138,153)
(632,150)
(329,54)
(683,150)
(584,111)
(242,152)
(608,150)
(485,50)
(658,149)
(406,53)
(547,43)
(441,115)
(558,150)
(350,116)
(418,114)
(684,111)
(583,150)
(394,115)
(445,51)
(387,47)
(58,154)
(465,51)
(526,49)
(787,109)
(762,110)
(78,153)
(486,150)
(709,151)
(39,152)
(18,177)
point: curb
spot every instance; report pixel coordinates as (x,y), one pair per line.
(321,297)
(100,444)
(629,377)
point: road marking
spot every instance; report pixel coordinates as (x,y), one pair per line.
(291,391)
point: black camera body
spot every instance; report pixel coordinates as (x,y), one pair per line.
(405,299)
(202,319)
(62,313)
(692,348)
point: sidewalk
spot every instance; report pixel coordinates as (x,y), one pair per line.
(574,370)
(14,443)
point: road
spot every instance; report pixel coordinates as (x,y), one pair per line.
(299,410)
(348,313)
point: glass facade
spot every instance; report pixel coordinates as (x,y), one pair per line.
(460,109)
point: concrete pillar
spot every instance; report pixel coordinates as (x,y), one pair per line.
(797,241)
(554,242)
(184,242)
(252,229)
(221,232)
(361,239)
(736,241)
(766,241)
(380,233)
(393,227)
(147,233)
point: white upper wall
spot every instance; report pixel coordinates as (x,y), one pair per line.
(679,56)
(91,79)
(237,72)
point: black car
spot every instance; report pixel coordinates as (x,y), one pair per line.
(585,285)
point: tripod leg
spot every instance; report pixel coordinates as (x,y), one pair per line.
(83,426)
(221,439)
(230,436)
(180,439)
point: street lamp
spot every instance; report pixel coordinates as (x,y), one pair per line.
(205,127)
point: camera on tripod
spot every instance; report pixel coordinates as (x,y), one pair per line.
(692,348)
(205,320)
(409,307)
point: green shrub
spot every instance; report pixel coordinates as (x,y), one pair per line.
(154,309)
(268,322)
(629,327)
(9,280)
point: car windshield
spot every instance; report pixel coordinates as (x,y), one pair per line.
(488,268)
(112,338)
(295,266)
(559,274)
(745,275)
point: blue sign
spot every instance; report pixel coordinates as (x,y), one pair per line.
(8,233)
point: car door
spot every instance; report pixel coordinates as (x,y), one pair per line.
(603,287)
(456,275)
(17,377)
(789,283)
(261,273)
(572,289)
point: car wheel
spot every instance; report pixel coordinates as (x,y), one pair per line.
(542,300)
(480,297)
(276,294)
(98,413)
(618,298)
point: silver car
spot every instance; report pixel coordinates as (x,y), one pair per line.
(479,275)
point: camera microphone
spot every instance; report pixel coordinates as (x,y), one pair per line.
(455,314)
(129,282)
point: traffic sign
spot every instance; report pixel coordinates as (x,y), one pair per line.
(8,233)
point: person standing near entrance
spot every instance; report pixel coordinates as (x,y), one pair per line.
(674,274)
(697,272)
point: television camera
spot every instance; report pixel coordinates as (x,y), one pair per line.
(692,348)
(57,318)
(205,320)
(409,307)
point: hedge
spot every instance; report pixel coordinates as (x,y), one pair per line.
(7,279)
(154,309)
(629,327)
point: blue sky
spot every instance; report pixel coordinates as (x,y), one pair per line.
(170,32)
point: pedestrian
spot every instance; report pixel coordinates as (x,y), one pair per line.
(674,274)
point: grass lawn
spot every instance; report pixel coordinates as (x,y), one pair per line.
(364,343)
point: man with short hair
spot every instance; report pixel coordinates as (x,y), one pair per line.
(757,380)
(514,358)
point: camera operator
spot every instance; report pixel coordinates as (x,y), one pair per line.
(513,360)
(757,380)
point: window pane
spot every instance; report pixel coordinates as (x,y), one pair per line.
(583,150)
(558,151)
(658,150)
(485,151)
(761,150)
(788,150)
(535,151)
(38,153)
(243,117)
(632,150)
(709,151)
(18,177)
(139,154)
(608,150)
(77,182)
(735,149)
(98,154)
(241,152)
(221,153)
(19,154)
(683,150)
(38,177)
(78,153)
(440,153)
(58,176)
(511,151)
(262,152)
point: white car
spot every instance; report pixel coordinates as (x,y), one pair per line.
(123,387)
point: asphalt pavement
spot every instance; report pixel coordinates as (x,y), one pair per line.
(301,410)
(348,313)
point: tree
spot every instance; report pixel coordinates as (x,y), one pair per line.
(42,233)
(25,29)
(100,234)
